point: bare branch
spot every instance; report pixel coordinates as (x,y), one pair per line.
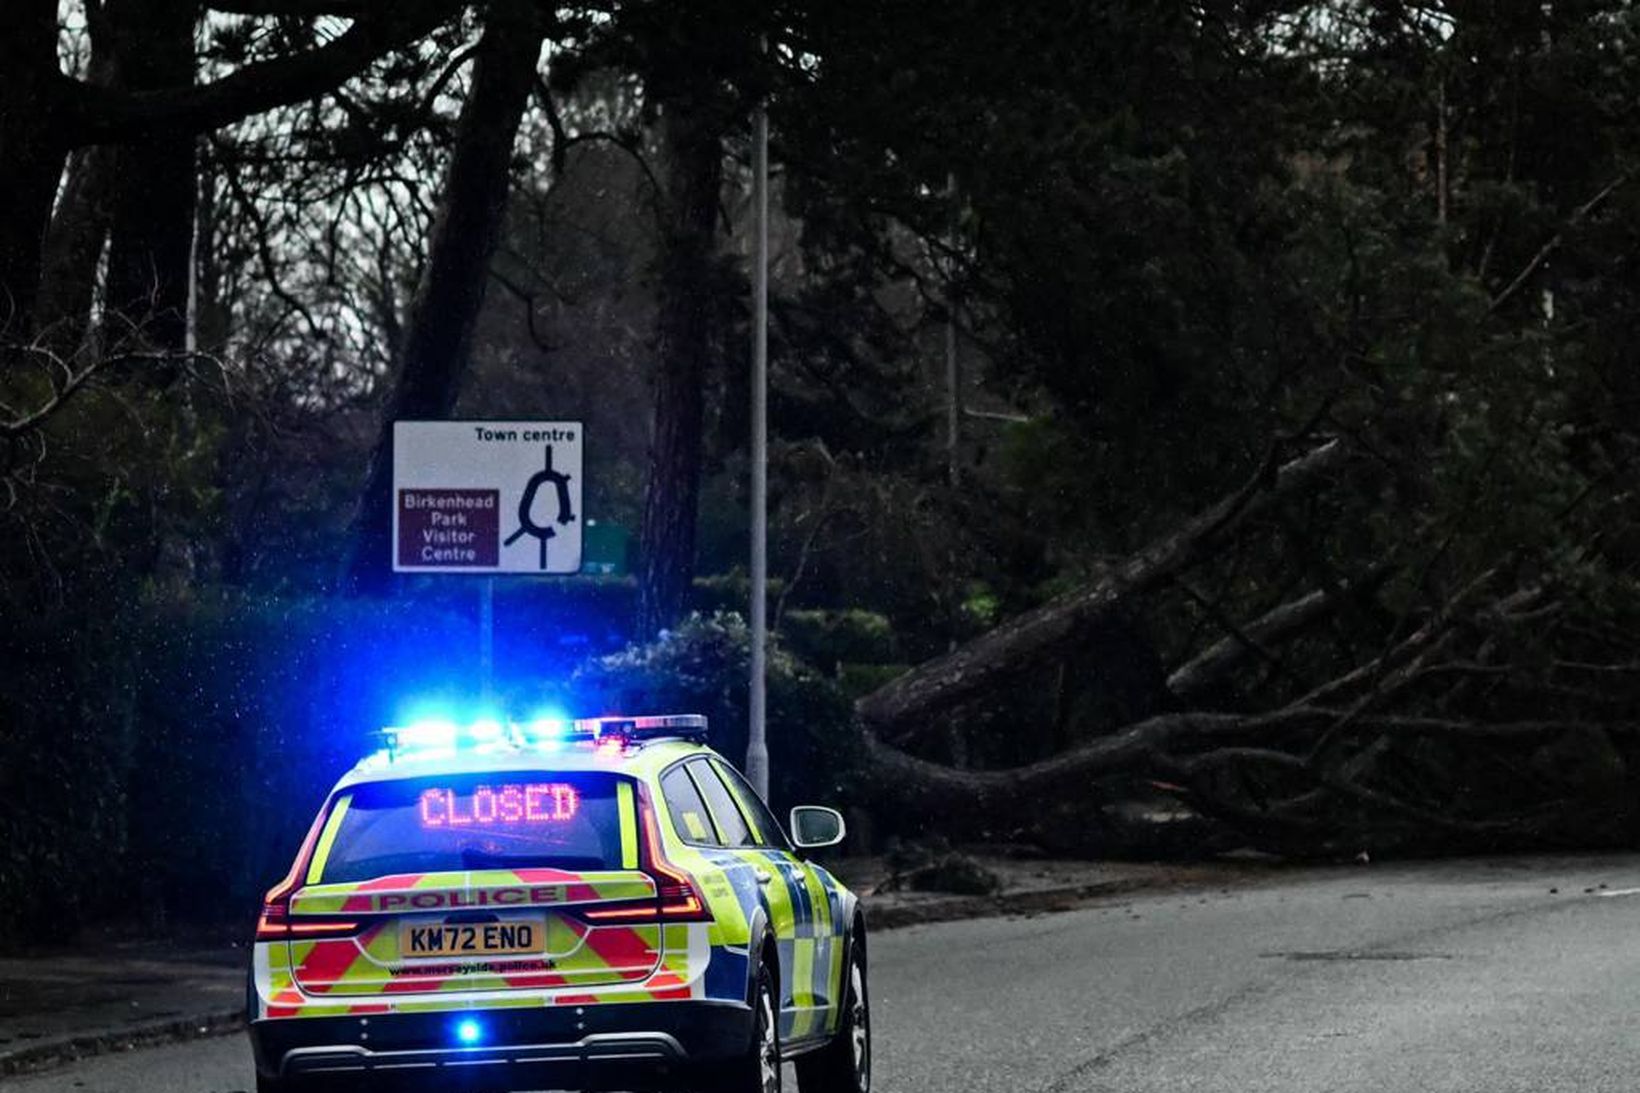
(1279,624)
(63,390)
(1556,240)
(92,114)
(306,8)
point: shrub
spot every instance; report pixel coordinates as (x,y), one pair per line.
(836,637)
(702,666)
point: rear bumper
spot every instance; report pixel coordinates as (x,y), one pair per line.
(571,1046)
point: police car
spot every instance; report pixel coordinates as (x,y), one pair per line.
(597,904)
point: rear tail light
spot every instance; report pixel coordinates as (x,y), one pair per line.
(274,925)
(323,927)
(277,925)
(678,899)
(275,922)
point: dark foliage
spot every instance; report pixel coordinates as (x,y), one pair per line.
(1164,248)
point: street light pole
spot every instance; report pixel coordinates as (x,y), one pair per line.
(757,746)
(953,390)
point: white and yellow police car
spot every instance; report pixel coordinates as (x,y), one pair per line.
(597,904)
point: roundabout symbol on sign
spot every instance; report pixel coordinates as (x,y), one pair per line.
(527,524)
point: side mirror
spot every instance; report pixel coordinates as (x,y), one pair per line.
(814,827)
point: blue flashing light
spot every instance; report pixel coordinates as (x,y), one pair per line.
(486,731)
(429,734)
(547,731)
(543,729)
(469,1031)
(551,716)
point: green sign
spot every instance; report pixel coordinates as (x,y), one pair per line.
(605,549)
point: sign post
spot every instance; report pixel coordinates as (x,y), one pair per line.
(486,638)
(488,497)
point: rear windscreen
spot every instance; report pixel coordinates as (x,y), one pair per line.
(469,822)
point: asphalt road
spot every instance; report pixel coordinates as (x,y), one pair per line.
(1451,976)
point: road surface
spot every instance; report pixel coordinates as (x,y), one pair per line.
(1420,978)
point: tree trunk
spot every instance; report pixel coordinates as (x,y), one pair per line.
(1210,670)
(33,152)
(947,681)
(445,310)
(689,211)
(80,224)
(152,233)
(74,248)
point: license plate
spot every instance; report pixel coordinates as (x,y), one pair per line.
(446,939)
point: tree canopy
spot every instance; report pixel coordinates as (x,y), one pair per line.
(1225,405)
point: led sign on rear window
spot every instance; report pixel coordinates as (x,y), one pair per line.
(458,822)
(488,806)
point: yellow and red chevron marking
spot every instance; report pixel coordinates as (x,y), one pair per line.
(612,964)
(277,994)
(683,964)
(575,955)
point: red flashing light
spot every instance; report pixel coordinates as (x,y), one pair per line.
(488,806)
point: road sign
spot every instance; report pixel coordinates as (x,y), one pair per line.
(607,549)
(486,497)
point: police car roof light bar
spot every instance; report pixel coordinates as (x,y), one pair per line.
(690,726)
(449,736)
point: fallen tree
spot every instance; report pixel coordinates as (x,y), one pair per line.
(1467,725)
(947,681)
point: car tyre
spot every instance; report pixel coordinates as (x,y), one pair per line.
(844,1064)
(758,1070)
(312,1084)
(280,1085)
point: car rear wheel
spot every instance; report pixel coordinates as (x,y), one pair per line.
(844,1064)
(758,1071)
